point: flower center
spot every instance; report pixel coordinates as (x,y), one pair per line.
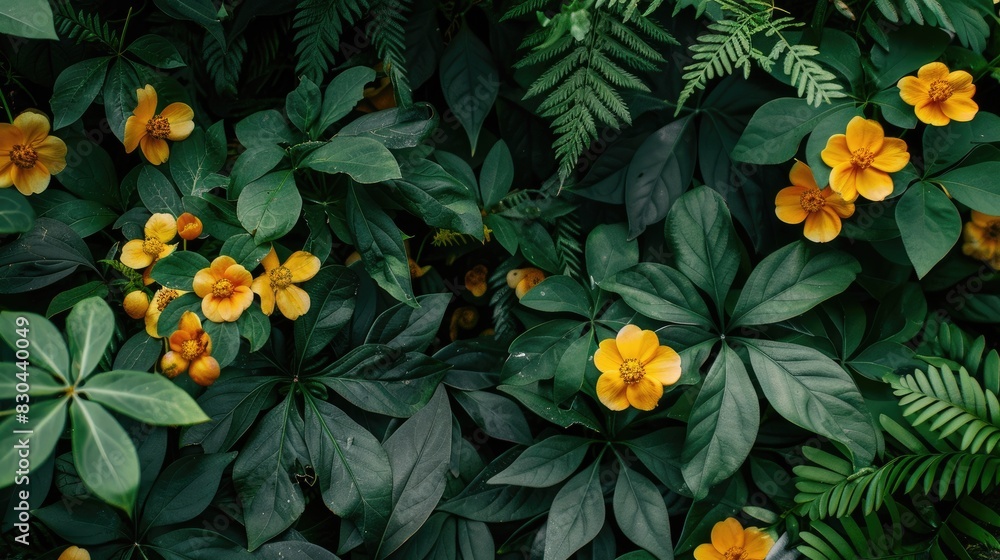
(939,91)
(158,127)
(812,200)
(735,553)
(23,156)
(631,371)
(222,288)
(862,158)
(993,231)
(280,277)
(152,246)
(191,349)
(165,297)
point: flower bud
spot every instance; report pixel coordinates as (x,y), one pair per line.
(204,371)
(189,227)
(524,279)
(135,304)
(75,553)
(173,364)
(475,280)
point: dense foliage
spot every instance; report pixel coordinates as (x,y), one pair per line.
(413,279)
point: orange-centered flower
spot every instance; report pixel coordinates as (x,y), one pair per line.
(189,227)
(862,160)
(524,279)
(159,230)
(730,541)
(277,284)
(939,96)
(634,369)
(225,290)
(28,155)
(804,201)
(161,298)
(151,131)
(982,239)
(191,347)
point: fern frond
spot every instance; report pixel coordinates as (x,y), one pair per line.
(966,19)
(503,301)
(569,250)
(523,8)
(84,27)
(389,38)
(629,7)
(947,344)
(225,66)
(318,25)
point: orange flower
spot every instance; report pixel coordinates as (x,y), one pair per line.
(161,298)
(191,347)
(524,279)
(159,230)
(730,541)
(939,96)
(189,227)
(862,160)
(804,201)
(378,97)
(28,155)
(982,239)
(634,369)
(277,284)
(225,290)
(475,280)
(74,553)
(136,303)
(151,131)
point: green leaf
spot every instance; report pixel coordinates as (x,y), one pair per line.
(572,369)
(72,296)
(197,544)
(171,315)
(660,292)
(658,174)
(156,51)
(813,392)
(16,215)
(557,294)
(546,463)
(149,397)
(419,453)
(46,254)
(788,283)
(490,503)
(119,95)
(896,111)
(76,88)
(497,175)
(641,513)
(252,165)
(364,159)
(946,145)
(90,326)
(929,224)
(233,405)
(776,129)
(139,353)
(577,515)
(225,341)
(85,217)
(343,93)
(46,422)
(269,207)
(90,174)
(194,162)
(536,352)
(909,48)
(254,326)
(264,129)
(722,426)
(244,250)
(546,409)
(706,249)
(157,194)
(202,12)
(331,295)
(659,452)
(353,470)
(264,473)
(429,192)
(85,522)
(469,80)
(184,489)
(498,416)
(409,329)
(386,381)
(609,251)
(395,128)
(28,18)
(380,243)
(104,455)
(177,270)
(302,105)
(45,342)
(972,186)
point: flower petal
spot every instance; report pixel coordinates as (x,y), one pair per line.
(893,156)
(220,264)
(707,552)
(9,136)
(930,113)
(837,203)
(242,298)
(836,151)
(161,226)
(134,257)
(180,131)
(727,534)
(6,177)
(756,543)
(227,310)
(204,281)
(52,153)
(262,287)
(843,180)
(802,176)
(177,338)
(34,126)
(874,184)
(635,343)
(912,90)
(155,149)
(644,394)
(788,205)
(135,130)
(961,109)
(607,358)
(665,367)
(189,322)
(933,71)
(146,107)
(611,391)
(238,275)
(271,261)
(982,219)
(959,80)
(822,226)
(864,133)
(30,180)
(210,309)
(293,302)
(302,265)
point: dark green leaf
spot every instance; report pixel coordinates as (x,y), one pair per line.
(28,18)
(16,215)
(254,326)
(577,515)
(302,105)
(388,382)
(409,329)
(556,294)
(87,522)
(364,159)
(546,409)
(497,175)
(429,192)
(194,162)
(497,415)
(971,186)
(156,51)
(491,503)
(177,269)
(929,224)
(269,207)
(546,463)
(469,80)
(331,295)
(909,48)
(395,128)
(660,292)
(702,235)
(85,217)
(72,296)
(380,244)
(776,129)
(609,251)
(184,489)
(139,353)
(225,341)
(75,89)
(46,254)
(119,95)
(264,129)
(104,455)
(245,251)
(658,174)
(642,514)
(233,405)
(343,93)
(156,192)
(202,12)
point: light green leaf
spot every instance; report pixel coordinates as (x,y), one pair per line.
(104,455)
(45,343)
(16,215)
(149,397)
(27,18)
(89,325)
(46,422)
(364,159)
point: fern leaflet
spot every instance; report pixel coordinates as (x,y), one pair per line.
(318,25)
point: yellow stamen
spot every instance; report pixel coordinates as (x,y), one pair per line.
(812,200)
(191,349)
(152,246)
(736,553)
(23,156)
(165,297)
(280,278)
(631,371)
(158,127)
(222,288)
(940,90)
(862,158)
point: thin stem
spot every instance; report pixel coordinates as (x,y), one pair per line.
(121,41)
(6,107)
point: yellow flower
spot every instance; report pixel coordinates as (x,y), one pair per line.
(982,239)
(74,553)
(136,303)
(730,541)
(416,271)
(475,280)
(191,347)
(225,290)
(189,227)
(277,284)
(159,230)
(939,96)
(151,131)
(161,298)
(804,201)
(862,160)
(634,369)
(28,155)
(378,97)
(524,279)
